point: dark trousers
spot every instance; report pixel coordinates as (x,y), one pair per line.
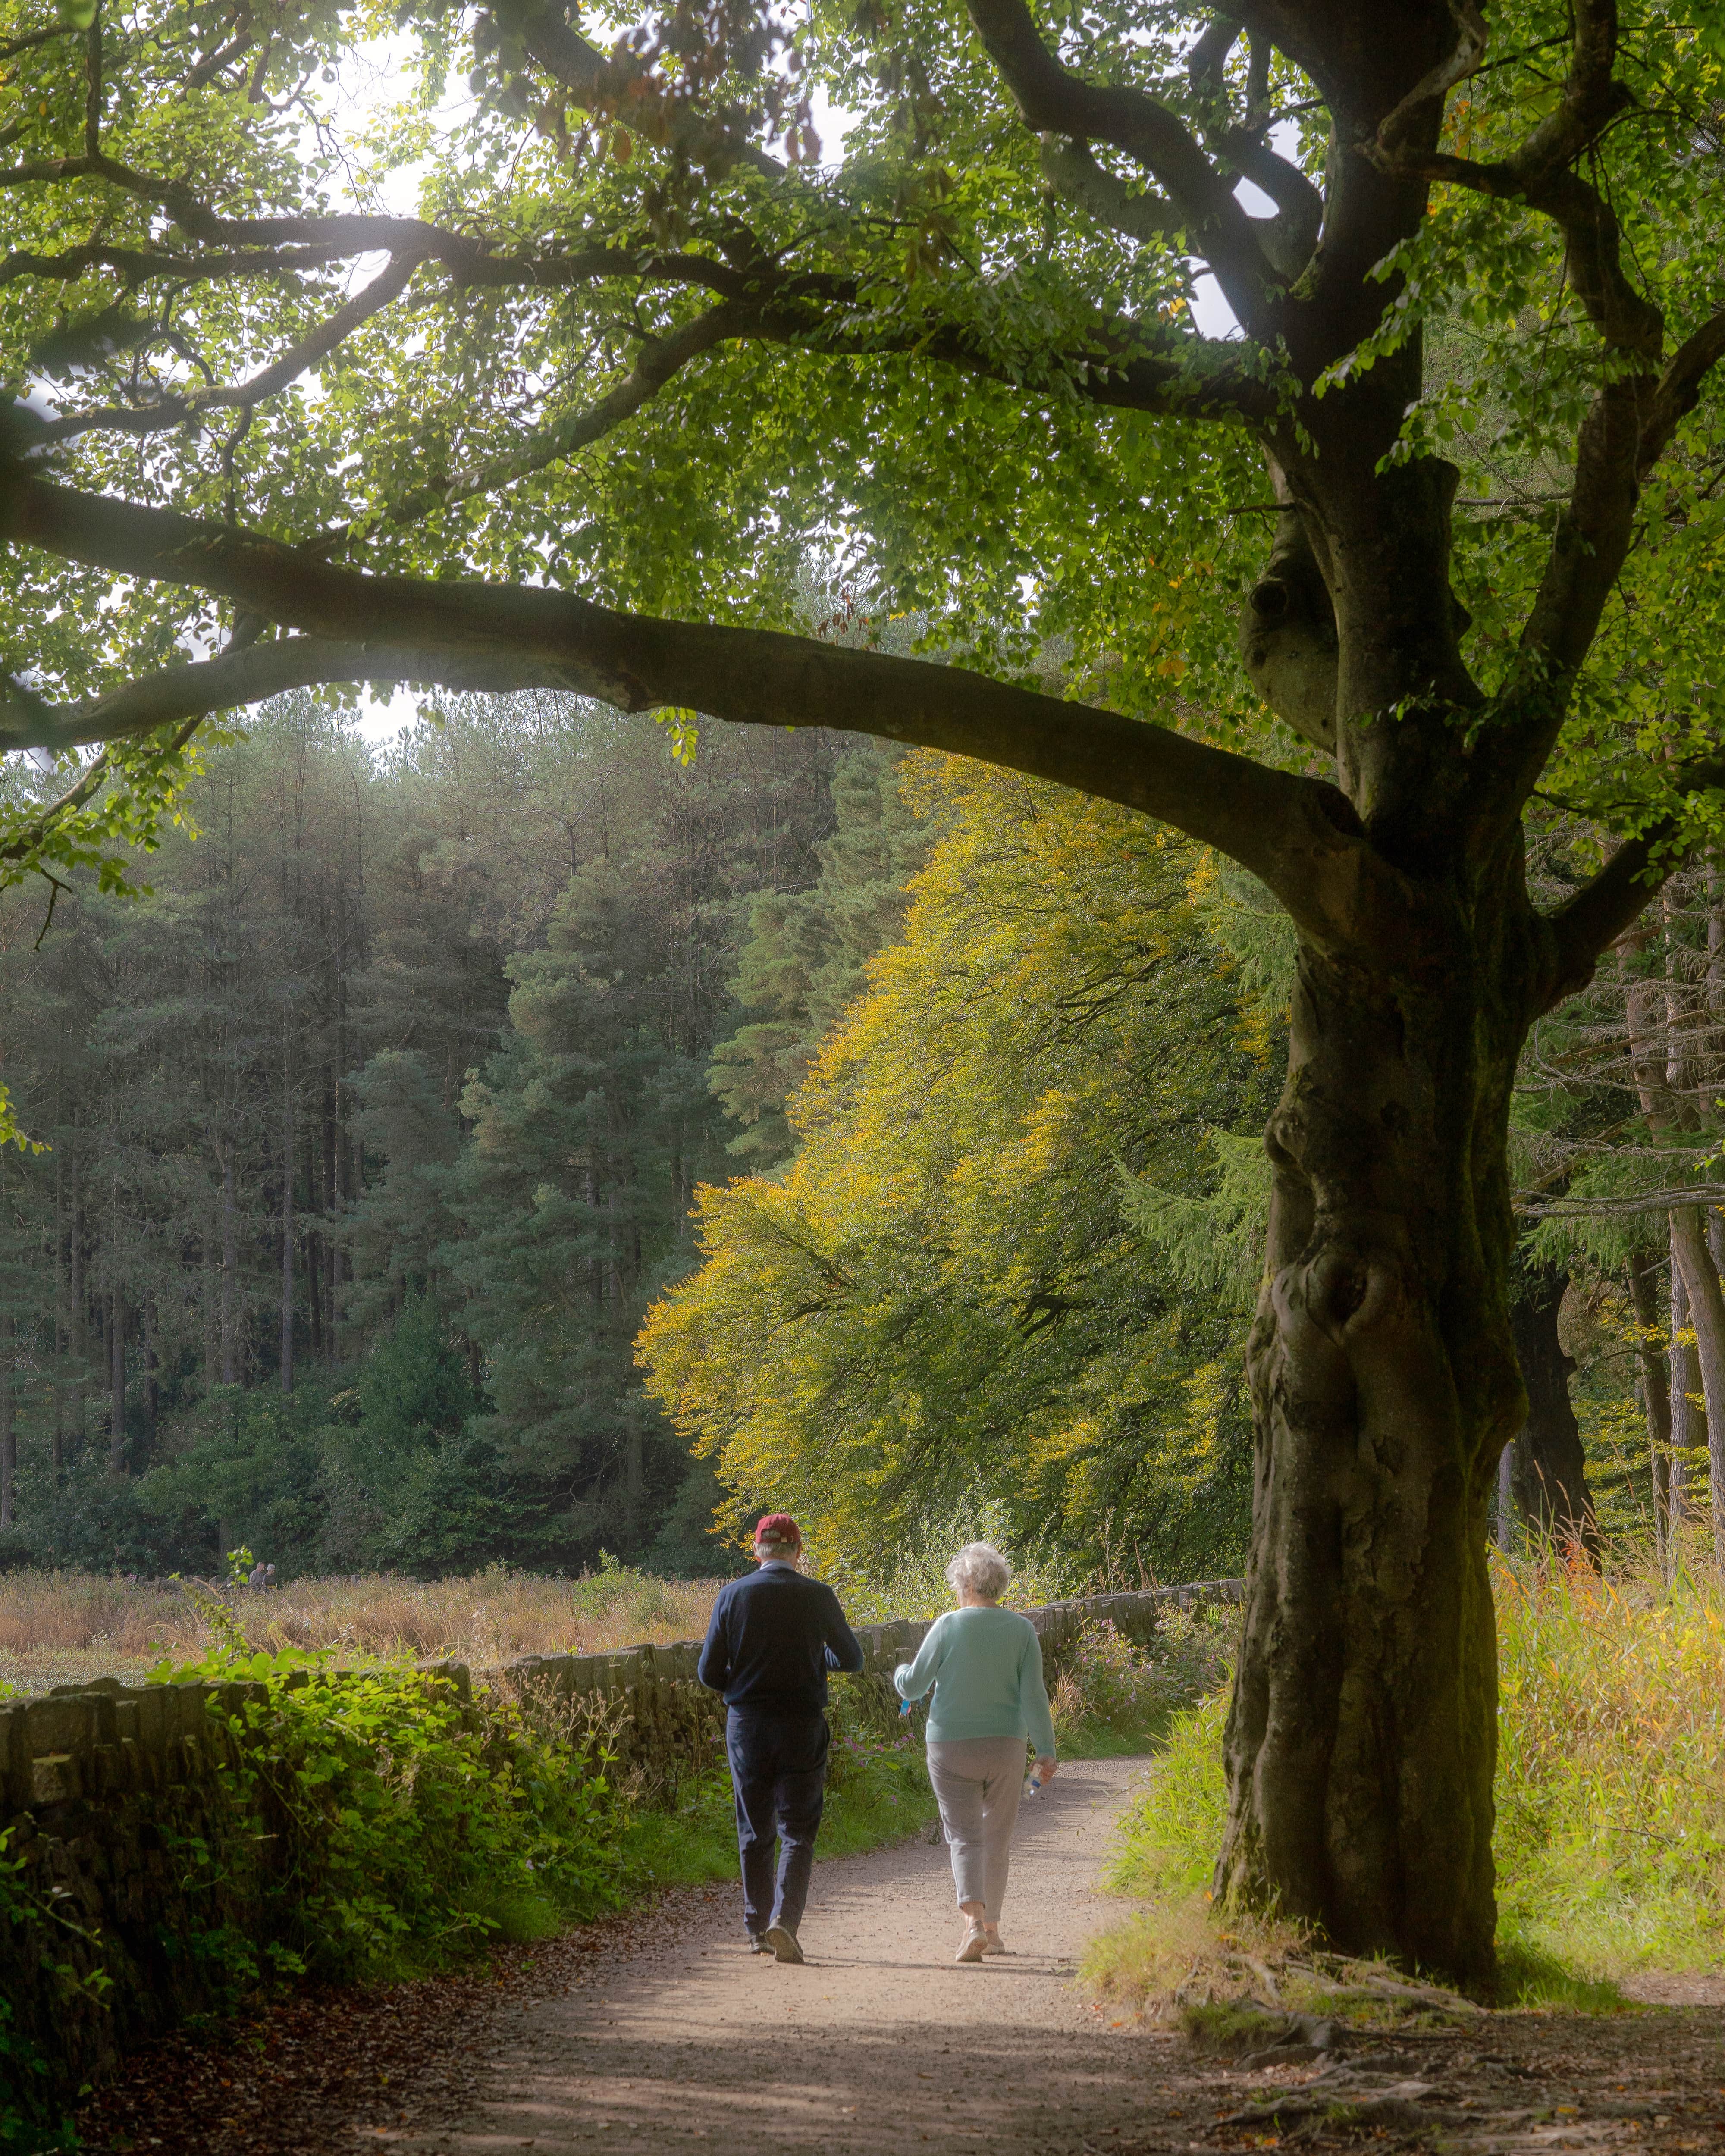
(778,1772)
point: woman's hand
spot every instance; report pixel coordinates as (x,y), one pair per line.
(1045,1769)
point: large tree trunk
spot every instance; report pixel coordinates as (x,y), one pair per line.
(1362,1739)
(1550,1468)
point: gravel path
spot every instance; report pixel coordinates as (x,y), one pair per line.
(878,2043)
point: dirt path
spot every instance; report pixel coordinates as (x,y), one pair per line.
(658,2031)
(878,2043)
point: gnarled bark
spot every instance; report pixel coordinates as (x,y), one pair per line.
(1360,1743)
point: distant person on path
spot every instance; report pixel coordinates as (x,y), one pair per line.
(773,1638)
(984,1667)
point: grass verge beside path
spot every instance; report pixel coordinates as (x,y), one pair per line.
(1610,1792)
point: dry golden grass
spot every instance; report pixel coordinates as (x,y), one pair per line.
(62,1627)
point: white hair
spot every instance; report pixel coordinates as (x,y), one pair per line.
(979,1568)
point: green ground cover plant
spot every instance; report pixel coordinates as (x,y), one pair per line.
(1610,1795)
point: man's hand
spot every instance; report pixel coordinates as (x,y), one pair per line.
(1045,1769)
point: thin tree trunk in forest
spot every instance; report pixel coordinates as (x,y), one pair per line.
(230,1268)
(1687,1427)
(1550,1467)
(287,1229)
(332,1252)
(1706,1315)
(1506,1498)
(79,1315)
(210,1299)
(152,1390)
(634,1480)
(1655,1401)
(8,1430)
(1662,1074)
(61,1329)
(116,1382)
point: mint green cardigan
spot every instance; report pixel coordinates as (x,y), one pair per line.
(984,1667)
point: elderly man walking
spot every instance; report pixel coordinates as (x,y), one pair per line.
(772,1639)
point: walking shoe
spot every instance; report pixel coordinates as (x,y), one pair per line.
(781,1940)
(757,1943)
(994,1944)
(975,1946)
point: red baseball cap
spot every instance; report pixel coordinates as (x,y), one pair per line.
(779,1527)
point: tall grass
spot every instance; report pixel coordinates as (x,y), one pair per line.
(1610,1791)
(1611,1768)
(57,1626)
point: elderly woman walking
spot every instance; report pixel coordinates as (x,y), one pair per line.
(983,1665)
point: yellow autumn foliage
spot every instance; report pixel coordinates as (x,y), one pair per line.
(942,1298)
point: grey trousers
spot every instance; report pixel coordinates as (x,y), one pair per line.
(977,1783)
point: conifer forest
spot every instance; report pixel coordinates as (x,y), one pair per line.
(357,1149)
(532,1142)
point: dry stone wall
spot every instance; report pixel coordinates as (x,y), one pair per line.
(126,1858)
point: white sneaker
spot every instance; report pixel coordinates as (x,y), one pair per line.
(993,1943)
(975,1946)
(782,1940)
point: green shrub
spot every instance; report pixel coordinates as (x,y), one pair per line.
(404,1826)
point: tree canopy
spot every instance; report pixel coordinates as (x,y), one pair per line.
(951,1291)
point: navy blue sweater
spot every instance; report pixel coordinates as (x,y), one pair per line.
(773,1637)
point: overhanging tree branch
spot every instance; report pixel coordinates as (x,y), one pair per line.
(138,265)
(175,410)
(1055,101)
(661,360)
(237,678)
(605,84)
(1299,836)
(1586,926)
